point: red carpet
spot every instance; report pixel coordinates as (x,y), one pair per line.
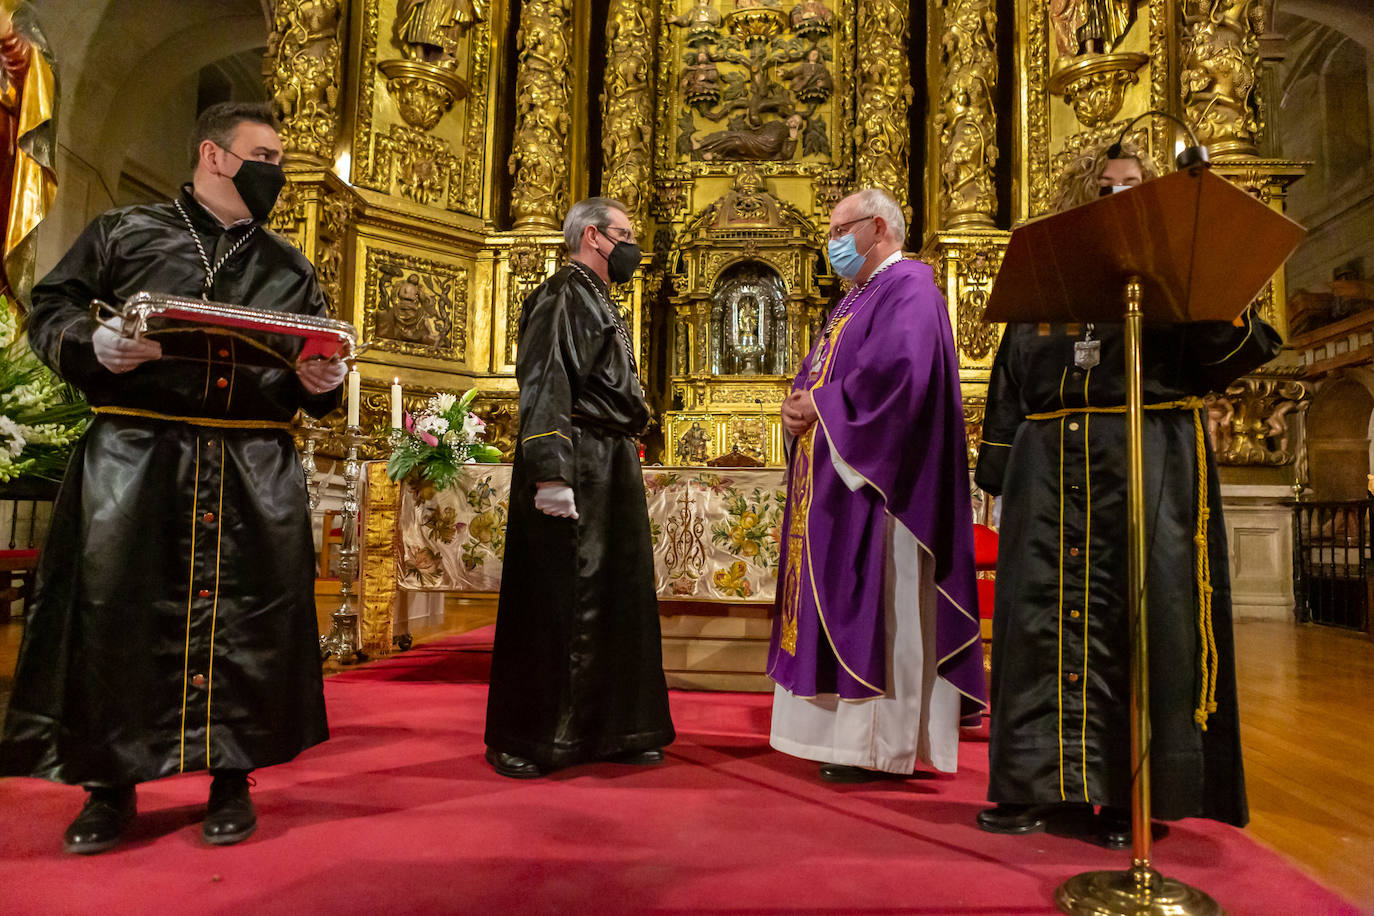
(398,813)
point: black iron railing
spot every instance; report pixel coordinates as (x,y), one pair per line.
(1331,563)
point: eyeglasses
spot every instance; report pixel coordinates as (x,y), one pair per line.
(627,235)
(843,229)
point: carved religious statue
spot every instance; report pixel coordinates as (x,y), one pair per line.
(411,315)
(775,140)
(700,79)
(1090,26)
(428,30)
(695,446)
(812,17)
(701,21)
(810,79)
(28,181)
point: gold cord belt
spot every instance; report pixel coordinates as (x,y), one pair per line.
(214,422)
(1180,404)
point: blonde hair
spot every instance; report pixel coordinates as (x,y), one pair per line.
(1078,183)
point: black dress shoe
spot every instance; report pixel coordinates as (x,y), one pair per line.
(229,814)
(1114,827)
(513,766)
(102,821)
(1012,818)
(641,758)
(840,772)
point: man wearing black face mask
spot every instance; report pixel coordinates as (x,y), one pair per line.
(577,668)
(172,626)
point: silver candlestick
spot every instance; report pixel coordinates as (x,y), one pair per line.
(344,640)
(312,433)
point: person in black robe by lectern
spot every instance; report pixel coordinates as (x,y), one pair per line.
(1054,451)
(172,626)
(577,666)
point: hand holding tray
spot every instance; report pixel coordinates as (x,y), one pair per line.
(164,317)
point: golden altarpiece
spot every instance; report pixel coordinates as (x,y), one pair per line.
(434,147)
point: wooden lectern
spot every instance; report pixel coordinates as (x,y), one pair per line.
(1188,247)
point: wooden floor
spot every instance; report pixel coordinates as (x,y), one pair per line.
(1307,722)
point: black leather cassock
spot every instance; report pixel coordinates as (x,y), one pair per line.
(172,626)
(577,668)
(1061,643)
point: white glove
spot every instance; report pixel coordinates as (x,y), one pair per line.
(554,497)
(321,375)
(118,353)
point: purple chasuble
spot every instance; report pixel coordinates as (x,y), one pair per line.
(887,392)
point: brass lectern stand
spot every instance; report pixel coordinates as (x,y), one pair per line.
(1189,247)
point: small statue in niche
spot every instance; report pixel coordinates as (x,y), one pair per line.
(812,17)
(411,315)
(748,321)
(775,140)
(700,79)
(428,30)
(810,79)
(1090,26)
(695,446)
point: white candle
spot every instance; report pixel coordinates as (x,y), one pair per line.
(395,403)
(354,396)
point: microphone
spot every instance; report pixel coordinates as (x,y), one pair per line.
(1195,156)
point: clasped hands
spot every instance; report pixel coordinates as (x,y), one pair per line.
(122,354)
(798,412)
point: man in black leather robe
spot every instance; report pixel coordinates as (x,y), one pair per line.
(1054,451)
(172,626)
(577,668)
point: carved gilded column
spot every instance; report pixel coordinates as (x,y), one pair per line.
(882,136)
(1220,73)
(539,161)
(303,73)
(628,104)
(966,122)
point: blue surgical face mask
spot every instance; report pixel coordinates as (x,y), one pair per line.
(844,257)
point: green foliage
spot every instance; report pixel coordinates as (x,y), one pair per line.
(41,417)
(439,440)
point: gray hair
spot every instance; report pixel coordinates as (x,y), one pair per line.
(594,211)
(877,202)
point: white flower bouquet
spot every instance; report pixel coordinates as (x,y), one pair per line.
(439,440)
(41,417)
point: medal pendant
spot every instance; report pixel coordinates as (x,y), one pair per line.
(1087,353)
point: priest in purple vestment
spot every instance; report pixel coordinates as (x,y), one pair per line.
(875,646)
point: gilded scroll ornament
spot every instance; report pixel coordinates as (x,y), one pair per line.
(1248,423)
(966,123)
(539,162)
(975,270)
(1220,73)
(303,80)
(1095,85)
(882,137)
(627,105)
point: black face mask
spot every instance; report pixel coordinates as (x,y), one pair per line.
(623,261)
(258,184)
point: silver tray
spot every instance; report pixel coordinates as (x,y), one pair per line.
(148,314)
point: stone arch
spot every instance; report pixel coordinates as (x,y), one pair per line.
(1339,424)
(118,61)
